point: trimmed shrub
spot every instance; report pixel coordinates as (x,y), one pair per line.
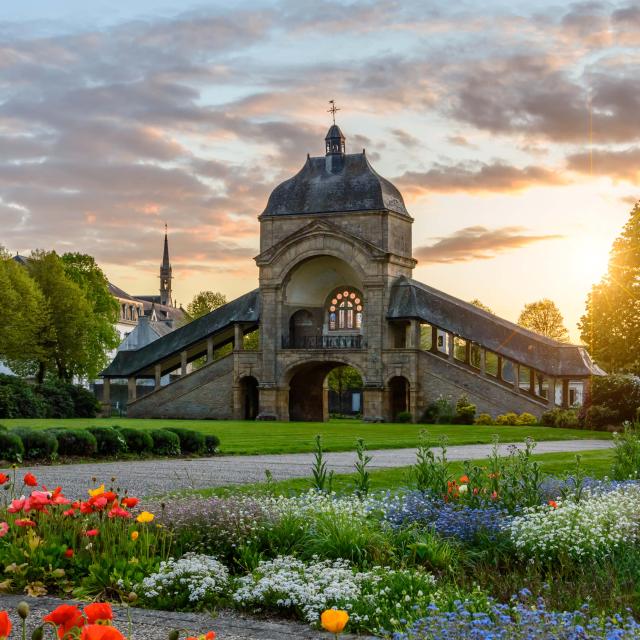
(484,419)
(11,447)
(75,442)
(527,419)
(507,419)
(190,441)
(438,412)
(211,443)
(465,411)
(38,444)
(549,418)
(165,442)
(404,416)
(138,440)
(598,416)
(110,441)
(567,419)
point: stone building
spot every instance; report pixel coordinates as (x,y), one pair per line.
(336,288)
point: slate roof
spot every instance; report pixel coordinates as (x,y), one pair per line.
(413,299)
(353,186)
(117,292)
(246,308)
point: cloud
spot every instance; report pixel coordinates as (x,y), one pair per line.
(617,164)
(477,177)
(406,139)
(478,243)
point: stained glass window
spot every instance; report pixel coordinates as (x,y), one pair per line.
(345,310)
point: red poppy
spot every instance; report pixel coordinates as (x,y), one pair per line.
(68,553)
(30,480)
(65,617)
(4,478)
(553,503)
(92,533)
(100,632)
(118,512)
(130,503)
(25,523)
(110,496)
(464,479)
(98,612)
(5,625)
(68,512)
(18,505)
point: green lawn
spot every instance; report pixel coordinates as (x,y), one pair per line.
(596,464)
(240,437)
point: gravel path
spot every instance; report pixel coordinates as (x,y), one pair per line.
(156,625)
(156,477)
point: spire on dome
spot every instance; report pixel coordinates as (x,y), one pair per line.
(334,140)
(165,272)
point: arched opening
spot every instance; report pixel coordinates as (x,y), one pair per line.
(250,397)
(302,329)
(310,390)
(398,396)
(345,392)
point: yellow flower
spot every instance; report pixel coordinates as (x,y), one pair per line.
(145,517)
(134,535)
(334,620)
(96,492)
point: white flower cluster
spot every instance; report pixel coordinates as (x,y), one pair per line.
(594,526)
(287,582)
(313,503)
(200,576)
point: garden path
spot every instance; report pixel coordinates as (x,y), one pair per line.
(148,624)
(155,477)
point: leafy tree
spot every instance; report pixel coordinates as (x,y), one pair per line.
(544,318)
(342,380)
(25,313)
(610,326)
(477,303)
(203,303)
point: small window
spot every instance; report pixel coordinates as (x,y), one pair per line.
(426,337)
(491,363)
(460,349)
(475,354)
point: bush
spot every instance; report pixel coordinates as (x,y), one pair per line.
(11,447)
(38,444)
(85,404)
(404,416)
(484,419)
(18,399)
(58,402)
(626,457)
(211,443)
(190,441)
(138,440)
(438,412)
(567,419)
(619,393)
(465,411)
(597,416)
(525,419)
(165,442)
(75,442)
(110,441)
(548,418)
(507,419)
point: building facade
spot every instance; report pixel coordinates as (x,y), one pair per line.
(336,288)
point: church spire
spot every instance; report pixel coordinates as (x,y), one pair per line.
(334,140)
(165,273)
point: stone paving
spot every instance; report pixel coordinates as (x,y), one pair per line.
(156,477)
(147,624)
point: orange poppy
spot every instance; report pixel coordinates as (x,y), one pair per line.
(334,620)
(100,632)
(5,625)
(65,617)
(30,480)
(98,612)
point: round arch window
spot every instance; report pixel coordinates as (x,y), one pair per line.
(344,310)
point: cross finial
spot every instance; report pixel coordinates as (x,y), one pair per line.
(165,227)
(332,110)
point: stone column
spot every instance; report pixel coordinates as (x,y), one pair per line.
(238,409)
(325,401)
(499,376)
(449,339)
(565,393)
(209,350)
(434,338)
(158,376)
(238,337)
(483,361)
(532,381)
(413,341)
(551,392)
(106,391)
(269,403)
(467,352)
(516,377)
(183,363)
(132,391)
(372,403)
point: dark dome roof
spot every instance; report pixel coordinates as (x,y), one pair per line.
(316,188)
(334,132)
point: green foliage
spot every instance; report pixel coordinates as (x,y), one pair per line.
(465,411)
(403,417)
(478,303)
(321,479)
(165,442)
(431,473)
(138,440)
(439,411)
(610,326)
(597,416)
(191,441)
(59,403)
(18,399)
(85,404)
(203,303)
(341,381)
(432,552)
(75,442)
(11,447)
(527,419)
(362,478)
(110,441)
(626,463)
(38,445)
(211,443)
(484,419)
(544,318)
(620,393)
(507,419)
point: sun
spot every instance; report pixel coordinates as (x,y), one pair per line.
(590,257)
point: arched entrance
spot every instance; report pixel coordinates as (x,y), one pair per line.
(301,329)
(398,396)
(250,398)
(309,391)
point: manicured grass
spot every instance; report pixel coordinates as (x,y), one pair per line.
(240,437)
(596,464)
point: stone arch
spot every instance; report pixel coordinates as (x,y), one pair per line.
(302,329)
(249,397)
(399,396)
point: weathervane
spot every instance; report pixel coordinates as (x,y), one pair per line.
(332,110)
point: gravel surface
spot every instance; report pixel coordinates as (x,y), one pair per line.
(156,477)
(147,624)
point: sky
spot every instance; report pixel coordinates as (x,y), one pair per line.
(511,128)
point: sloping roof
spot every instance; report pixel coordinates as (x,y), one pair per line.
(413,299)
(354,186)
(246,308)
(117,292)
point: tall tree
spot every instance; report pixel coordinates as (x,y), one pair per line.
(477,303)
(610,326)
(203,303)
(544,318)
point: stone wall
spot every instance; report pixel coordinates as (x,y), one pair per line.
(207,393)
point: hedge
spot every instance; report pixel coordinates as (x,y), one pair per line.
(190,441)
(110,441)
(165,442)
